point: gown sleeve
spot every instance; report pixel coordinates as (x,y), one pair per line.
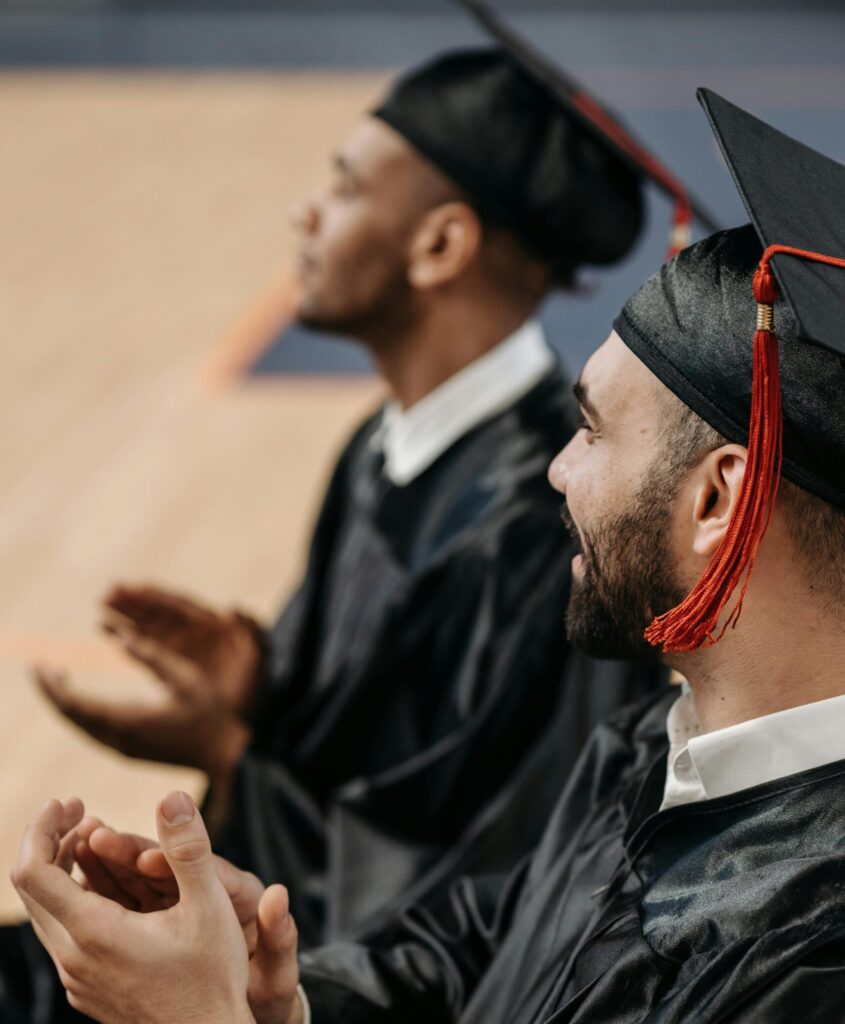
(426,758)
(810,989)
(426,969)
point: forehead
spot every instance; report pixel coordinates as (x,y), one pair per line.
(619,386)
(373,149)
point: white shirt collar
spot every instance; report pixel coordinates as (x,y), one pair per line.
(713,764)
(414,438)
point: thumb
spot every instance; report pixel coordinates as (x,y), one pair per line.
(185,844)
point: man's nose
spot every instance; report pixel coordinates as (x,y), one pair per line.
(305,217)
(561,465)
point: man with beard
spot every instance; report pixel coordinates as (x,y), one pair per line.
(692,871)
(407,717)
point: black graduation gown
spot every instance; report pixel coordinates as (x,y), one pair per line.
(419,701)
(419,705)
(729,910)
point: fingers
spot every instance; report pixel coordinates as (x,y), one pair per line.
(53,684)
(243,888)
(73,813)
(120,848)
(112,857)
(154,865)
(47,890)
(244,891)
(98,878)
(55,687)
(88,826)
(173,669)
(274,972)
(186,846)
(106,721)
(153,609)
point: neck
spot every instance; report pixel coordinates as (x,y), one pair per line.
(777,658)
(442,341)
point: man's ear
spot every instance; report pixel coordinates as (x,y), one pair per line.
(446,241)
(716,485)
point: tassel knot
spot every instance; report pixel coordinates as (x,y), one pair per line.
(765,286)
(681,233)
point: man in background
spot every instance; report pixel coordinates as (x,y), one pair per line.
(412,711)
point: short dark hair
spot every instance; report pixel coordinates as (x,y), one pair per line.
(514,270)
(817,530)
(815,526)
(686,437)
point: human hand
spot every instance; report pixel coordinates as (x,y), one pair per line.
(223,647)
(134,872)
(190,726)
(186,963)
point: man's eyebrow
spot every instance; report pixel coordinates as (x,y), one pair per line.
(579,389)
(342,164)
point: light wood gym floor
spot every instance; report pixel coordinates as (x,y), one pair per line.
(143,216)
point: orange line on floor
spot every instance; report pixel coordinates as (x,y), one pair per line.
(25,648)
(251,336)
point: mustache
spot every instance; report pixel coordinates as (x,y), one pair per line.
(569,523)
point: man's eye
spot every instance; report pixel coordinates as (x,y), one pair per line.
(344,188)
(584,425)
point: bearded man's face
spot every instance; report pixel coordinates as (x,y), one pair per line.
(619,493)
(622,577)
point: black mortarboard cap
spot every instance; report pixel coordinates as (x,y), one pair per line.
(523,163)
(795,196)
(778,389)
(572,97)
(532,151)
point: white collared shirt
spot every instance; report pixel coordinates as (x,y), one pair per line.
(306,1006)
(703,766)
(412,439)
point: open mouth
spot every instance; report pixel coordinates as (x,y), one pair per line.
(304,264)
(569,523)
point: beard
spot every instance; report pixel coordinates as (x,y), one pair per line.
(627,577)
(371,302)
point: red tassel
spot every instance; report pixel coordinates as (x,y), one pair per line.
(692,623)
(681,234)
(764,284)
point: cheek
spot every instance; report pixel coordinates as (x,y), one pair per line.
(340,238)
(352,238)
(584,497)
(583,472)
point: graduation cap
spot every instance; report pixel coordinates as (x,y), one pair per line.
(580,104)
(533,151)
(776,385)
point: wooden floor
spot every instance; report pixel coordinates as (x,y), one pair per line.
(141,216)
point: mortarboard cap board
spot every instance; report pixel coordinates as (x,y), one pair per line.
(795,196)
(572,97)
(777,389)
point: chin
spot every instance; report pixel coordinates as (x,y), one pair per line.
(314,319)
(593,629)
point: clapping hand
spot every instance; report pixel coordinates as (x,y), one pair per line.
(188,938)
(208,664)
